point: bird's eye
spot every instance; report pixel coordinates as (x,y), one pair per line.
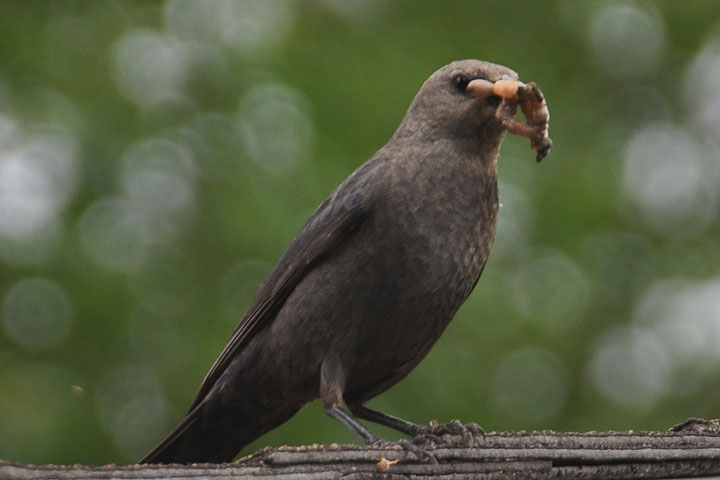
(461,82)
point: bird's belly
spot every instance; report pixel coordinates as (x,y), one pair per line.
(397,321)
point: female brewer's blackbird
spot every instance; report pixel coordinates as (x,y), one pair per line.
(370,282)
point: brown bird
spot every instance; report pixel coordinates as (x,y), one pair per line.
(375,275)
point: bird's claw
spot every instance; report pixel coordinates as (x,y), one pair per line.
(453,433)
(420,453)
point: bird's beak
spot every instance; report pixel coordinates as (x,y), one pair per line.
(480,88)
(505,89)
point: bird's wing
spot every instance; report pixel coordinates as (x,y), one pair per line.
(333,222)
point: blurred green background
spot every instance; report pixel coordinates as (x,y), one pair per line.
(157,158)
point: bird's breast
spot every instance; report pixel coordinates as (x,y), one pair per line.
(437,230)
(433,250)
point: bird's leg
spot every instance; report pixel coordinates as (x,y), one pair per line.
(349,422)
(403,426)
(332,381)
(339,414)
(432,432)
(331,385)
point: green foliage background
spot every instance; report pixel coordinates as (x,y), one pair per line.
(198,137)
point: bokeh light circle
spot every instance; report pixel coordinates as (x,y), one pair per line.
(37,313)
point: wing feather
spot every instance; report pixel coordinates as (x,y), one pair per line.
(333,222)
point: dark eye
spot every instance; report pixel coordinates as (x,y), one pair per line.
(461,82)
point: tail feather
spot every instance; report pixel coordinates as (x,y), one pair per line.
(169,449)
(198,440)
(214,437)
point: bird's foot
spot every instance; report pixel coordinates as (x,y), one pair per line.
(420,453)
(453,433)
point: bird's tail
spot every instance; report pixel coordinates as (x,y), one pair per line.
(191,442)
(170,448)
(218,438)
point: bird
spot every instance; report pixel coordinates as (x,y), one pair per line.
(370,282)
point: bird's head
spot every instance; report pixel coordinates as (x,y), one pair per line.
(456,99)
